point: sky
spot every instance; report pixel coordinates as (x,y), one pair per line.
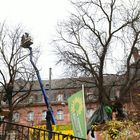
(38,17)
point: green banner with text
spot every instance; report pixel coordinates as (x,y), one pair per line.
(76,104)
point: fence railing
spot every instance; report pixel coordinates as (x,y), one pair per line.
(13,131)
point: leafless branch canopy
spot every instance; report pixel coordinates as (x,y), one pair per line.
(16,72)
(98,39)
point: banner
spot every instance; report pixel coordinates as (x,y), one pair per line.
(76,104)
(64,129)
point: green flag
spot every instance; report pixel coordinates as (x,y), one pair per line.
(76,104)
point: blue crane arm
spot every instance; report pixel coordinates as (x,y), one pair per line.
(50,111)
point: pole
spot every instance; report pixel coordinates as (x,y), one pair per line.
(50,79)
(84,107)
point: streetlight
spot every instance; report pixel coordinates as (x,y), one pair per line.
(26,42)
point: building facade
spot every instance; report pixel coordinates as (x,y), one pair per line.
(32,111)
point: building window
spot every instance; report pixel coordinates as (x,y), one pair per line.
(30,116)
(89,112)
(91,97)
(31,99)
(114,93)
(44,115)
(117,93)
(60,115)
(38,98)
(16,117)
(60,98)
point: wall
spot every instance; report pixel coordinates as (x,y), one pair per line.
(38,109)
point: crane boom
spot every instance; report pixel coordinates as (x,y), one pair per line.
(25,43)
(42,88)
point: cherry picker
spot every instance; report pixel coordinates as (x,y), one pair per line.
(26,42)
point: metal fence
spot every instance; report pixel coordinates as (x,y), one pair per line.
(12,131)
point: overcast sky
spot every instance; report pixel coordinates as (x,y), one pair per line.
(40,18)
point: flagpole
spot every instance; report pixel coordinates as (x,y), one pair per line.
(84,105)
(83,90)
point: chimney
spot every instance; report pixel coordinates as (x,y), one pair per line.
(135,54)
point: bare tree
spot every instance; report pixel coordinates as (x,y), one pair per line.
(16,72)
(99,38)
